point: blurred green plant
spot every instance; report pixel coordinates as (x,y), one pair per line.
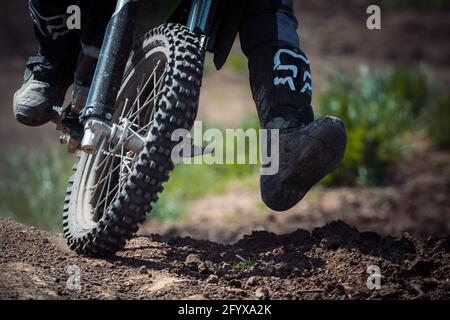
(169,207)
(237,62)
(33,184)
(435,119)
(189,182)
(208,66)
(377,108)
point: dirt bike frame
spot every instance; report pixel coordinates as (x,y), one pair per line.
(85,126)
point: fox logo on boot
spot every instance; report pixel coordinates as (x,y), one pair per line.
(278,66)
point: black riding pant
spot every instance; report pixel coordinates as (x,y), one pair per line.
(280,74)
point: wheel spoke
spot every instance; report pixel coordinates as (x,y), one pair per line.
(145,127)
(105,162)
(112,171)
(124,108)
(105,199)
(151,97)
(138,117)
(141,90)
(101,192)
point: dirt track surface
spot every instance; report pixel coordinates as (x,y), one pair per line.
(330,262)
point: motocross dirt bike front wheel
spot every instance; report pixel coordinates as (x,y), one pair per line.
(110,192)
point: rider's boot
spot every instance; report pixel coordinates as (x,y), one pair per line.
(49,74)
(308,150)
(280,78)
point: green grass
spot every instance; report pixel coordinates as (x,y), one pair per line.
(208,66)
(243,263)
(237,62)
(436,119)
(33,184)
(379,107)
(189,182)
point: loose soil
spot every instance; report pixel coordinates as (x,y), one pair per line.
(328,263)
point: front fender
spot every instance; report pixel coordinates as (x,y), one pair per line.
(152,14)
(228,19)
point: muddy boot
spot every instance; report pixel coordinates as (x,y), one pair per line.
(49,74)
(281,84)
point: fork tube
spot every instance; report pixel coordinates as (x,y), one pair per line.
(200,16)
(111,62)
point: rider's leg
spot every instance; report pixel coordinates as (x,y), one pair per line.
(48,74)
(281,83)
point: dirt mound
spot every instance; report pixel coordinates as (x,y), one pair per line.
(330,262)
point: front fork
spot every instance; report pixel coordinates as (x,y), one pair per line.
(108,74)
(99,109)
